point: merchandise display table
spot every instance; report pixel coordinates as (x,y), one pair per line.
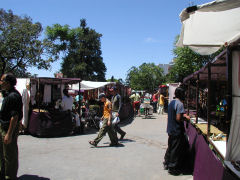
(50,124)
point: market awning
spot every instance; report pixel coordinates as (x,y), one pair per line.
(88,85)
(208,27)
(46,80)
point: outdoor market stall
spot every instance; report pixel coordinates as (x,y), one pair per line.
(214,139)
(214,119)
(45,118)
(92,89)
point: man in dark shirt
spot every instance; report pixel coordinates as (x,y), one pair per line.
(116,108)
(10,115)
(177,143)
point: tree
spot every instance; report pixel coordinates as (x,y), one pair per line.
(20,46)
(112,79)
(120,81)
(82,51)
(148,76)
(186,62)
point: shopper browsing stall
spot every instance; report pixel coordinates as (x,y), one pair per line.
(177,142)
(67,101)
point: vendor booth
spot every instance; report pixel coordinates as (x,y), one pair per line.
(213,95)
(43,96)
(92,89)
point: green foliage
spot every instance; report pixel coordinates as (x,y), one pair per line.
(20,46)
(148,76)
(82,51)
(186,62)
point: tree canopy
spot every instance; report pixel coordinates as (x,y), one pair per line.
(148,77)
(186,62)
(81,48)
(20,46)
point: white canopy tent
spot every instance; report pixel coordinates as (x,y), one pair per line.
(208,27)
(89,85)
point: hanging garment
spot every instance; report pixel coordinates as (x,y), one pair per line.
(47,93)
(33,93)
(26,101)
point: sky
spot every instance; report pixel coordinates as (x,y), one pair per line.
(134,31)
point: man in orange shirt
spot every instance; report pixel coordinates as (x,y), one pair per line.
(107,124)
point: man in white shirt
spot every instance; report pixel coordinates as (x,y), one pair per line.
(67,101)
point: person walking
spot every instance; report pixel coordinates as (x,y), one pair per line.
(106,124)
(177,142)
(135,98)
(116,109)
(155,102)
(10,116)
(161,103)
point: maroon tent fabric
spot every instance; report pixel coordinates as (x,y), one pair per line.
(206,164)
(46,80)
(46,124)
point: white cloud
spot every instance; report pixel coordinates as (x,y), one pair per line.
(150,40)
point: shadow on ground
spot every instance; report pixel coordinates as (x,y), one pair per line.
(126,141)
(31,177)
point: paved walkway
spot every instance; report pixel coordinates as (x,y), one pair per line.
(72,158)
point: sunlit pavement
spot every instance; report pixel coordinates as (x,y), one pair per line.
(139,157)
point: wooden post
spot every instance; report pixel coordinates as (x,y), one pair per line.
(229,89)
(188,97)
(197,99)
(209,100)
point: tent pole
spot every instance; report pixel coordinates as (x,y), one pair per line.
(188,97)
(229,89)
(209,100)
(197,99)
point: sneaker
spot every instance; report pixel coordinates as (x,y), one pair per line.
(122,136)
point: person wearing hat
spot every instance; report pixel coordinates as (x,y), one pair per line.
(10,116)
(116,108)
(106,123)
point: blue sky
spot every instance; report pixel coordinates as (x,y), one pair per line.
(134,31)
